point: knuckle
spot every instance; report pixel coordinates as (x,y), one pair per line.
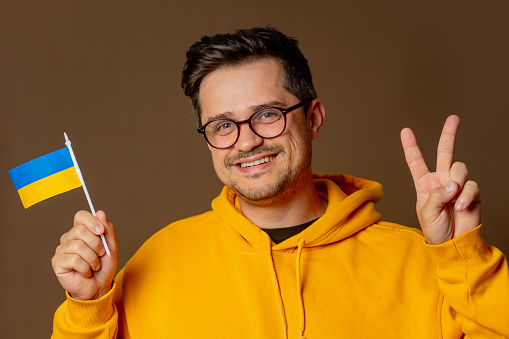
(78,246)
(445,149)
(472,185)
(54,261)
(80,230)
(460,165)
(58,249)
(74,259)
(57,261)
(79,214)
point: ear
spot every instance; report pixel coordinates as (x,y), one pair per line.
(315,114)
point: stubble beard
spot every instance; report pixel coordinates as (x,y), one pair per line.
(286,185)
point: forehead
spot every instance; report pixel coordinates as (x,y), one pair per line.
(235,90)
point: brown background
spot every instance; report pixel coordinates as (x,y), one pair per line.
(108,72)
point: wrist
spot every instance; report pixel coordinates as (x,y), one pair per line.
(85,314)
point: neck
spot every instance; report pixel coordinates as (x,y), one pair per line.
(303,205)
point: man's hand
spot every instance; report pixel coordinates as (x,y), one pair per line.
(80,262)
(447,204)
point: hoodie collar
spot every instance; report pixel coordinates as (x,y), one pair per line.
(350,209)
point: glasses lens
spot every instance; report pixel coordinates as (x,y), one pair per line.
(268,123)
(221,133)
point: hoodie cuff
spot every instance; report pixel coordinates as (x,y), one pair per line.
(466,253)
(88,314)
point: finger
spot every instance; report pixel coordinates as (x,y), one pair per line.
(458,173)
(64,263)
(82,233)
(445,151)
(109,231)
(84,251)
(468,196)
(437,199)
(91,222)
(413,155)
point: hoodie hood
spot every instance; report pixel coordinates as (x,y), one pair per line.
(350,209)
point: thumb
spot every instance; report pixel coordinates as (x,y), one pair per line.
(102,218)
(437,199)
(109,231)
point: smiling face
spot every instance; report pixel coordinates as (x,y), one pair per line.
(260,171)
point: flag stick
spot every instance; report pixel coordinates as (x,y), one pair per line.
(78,171)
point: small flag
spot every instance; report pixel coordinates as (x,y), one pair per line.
(45,177)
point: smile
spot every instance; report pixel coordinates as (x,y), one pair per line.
(258,162)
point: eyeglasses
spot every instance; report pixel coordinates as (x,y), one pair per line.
(267,123)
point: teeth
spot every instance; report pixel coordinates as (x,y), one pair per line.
(257,162)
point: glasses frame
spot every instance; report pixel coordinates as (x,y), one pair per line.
(284,111)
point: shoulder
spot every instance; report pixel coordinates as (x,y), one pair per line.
(394,248)
(397,229)
(177,237)
(188,229)
(395,237)
(172,244)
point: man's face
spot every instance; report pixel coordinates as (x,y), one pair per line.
(236,92)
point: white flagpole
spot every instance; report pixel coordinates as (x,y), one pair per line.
(78,171)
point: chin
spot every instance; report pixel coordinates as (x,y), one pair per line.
(267,194)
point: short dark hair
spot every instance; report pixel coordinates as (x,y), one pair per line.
(241,46)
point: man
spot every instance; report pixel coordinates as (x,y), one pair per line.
(285,253)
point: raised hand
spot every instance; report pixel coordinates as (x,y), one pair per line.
(448,204)
(80,261)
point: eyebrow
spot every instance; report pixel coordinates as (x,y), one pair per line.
(228,114)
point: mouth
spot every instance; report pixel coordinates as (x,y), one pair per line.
(260,161)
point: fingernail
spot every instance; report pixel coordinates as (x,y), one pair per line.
(102,252)
(460,206)
(98,229)
(449,187)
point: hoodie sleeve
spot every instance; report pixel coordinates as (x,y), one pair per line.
(89,319)
(474,280)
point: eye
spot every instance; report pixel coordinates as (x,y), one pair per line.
(267,116)
(222,127)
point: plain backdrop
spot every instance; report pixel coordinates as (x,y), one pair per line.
(108,74)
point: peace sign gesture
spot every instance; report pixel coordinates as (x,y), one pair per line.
(447,204)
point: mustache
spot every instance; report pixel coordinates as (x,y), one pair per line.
(230,161)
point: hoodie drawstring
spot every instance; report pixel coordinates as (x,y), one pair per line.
(277,289)
(302,314)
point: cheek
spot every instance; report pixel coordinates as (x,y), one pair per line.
(299,133)
(215,159)
(299,143)
(218,161)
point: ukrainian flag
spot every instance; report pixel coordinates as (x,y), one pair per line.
(45,177)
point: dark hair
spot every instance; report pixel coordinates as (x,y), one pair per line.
(241,46)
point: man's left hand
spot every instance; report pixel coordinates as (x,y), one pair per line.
(448,205)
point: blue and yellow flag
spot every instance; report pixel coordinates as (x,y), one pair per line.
(45,177)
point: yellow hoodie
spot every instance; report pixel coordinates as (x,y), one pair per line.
(348,275)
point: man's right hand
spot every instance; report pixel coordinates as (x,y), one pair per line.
(80,261)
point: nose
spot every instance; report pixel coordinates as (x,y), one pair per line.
(247,139)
